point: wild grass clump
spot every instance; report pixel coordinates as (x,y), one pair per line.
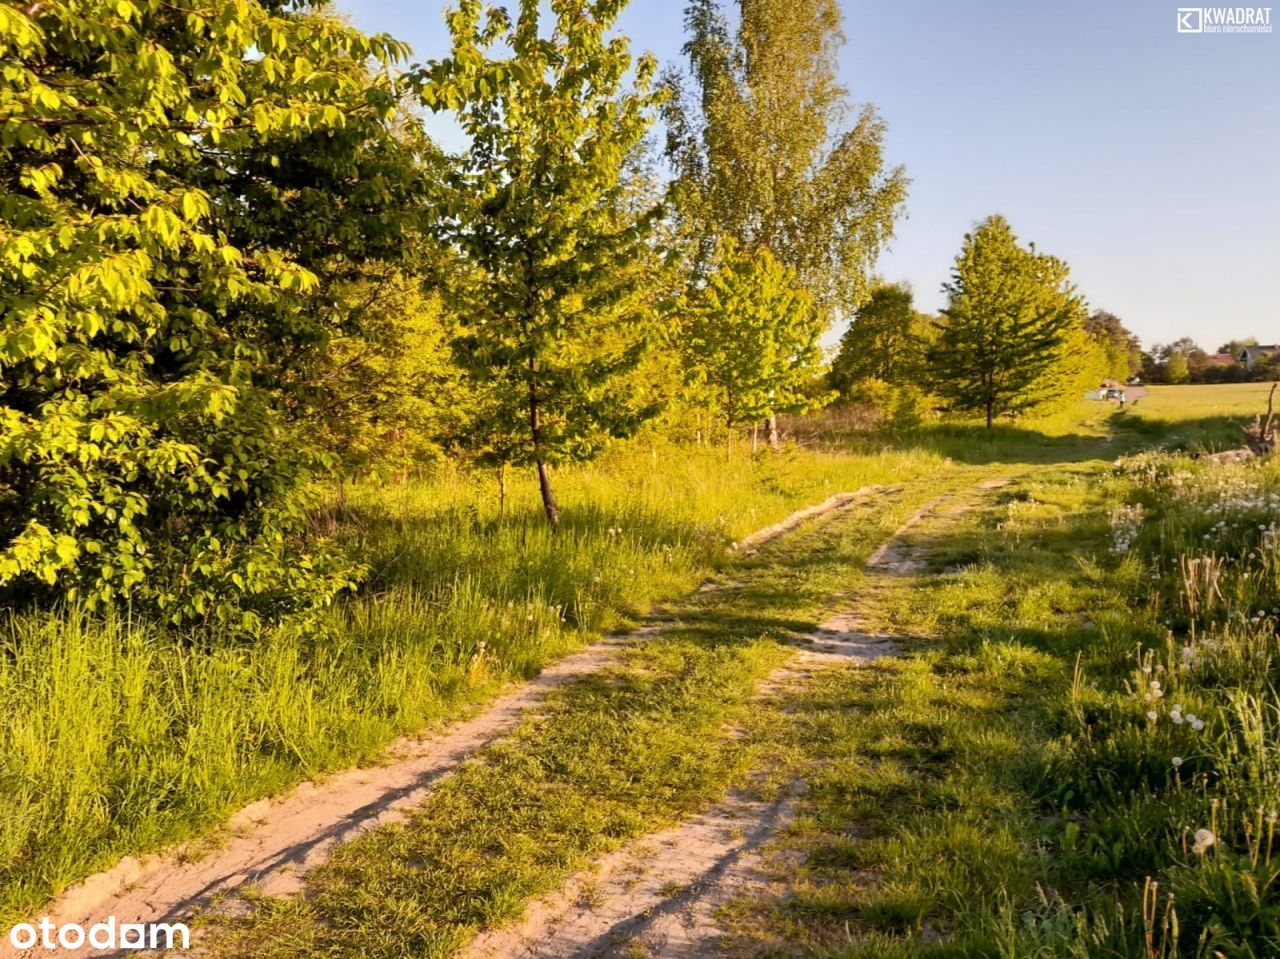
(1170,761)
(119,736)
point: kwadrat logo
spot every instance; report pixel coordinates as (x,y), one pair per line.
(1224,19)
(108,934)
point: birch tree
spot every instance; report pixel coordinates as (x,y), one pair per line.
(768,150)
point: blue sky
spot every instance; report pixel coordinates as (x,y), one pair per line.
(1149,160)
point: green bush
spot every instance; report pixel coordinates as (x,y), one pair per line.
(179,191)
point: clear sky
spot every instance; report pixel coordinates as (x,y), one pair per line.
(1148,159)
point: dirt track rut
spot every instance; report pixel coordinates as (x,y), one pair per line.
(660,896)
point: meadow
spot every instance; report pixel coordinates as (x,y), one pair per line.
(1077,756)
(1179,403)
(120,736)
(1197,417)
(1077,752)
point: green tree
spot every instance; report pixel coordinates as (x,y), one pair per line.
(886,341)
(1013,339)
(1198,361)
(1176,368)
(179,185)
(757,139)
(386,394)
(754,331)
(537,208)
(1122,348)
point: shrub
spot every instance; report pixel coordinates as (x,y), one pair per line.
(178,192)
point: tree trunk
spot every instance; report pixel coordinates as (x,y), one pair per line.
(990,412)
(775,442)
(549,505)
(755,438)
(502,490)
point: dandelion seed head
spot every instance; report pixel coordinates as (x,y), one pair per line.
(1204,839)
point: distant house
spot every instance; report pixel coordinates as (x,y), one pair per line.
(1251,356)
(1223,359)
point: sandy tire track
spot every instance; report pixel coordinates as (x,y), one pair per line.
(660,895)
(829,506)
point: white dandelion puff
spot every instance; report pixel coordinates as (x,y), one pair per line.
(1204,839)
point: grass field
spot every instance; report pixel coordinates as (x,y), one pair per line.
(1199,417)
(1079,754)
(1076,757)
(616,756)
(119,737)
(1191,402)
(1080,758)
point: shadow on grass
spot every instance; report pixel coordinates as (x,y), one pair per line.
(977,445)
(1119,433)
(1202,434)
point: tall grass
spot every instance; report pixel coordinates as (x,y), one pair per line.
(1181,759)
(1161,782)
(117,736)
(1166,770)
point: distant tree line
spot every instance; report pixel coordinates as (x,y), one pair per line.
(1014,338)
(1184,361)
